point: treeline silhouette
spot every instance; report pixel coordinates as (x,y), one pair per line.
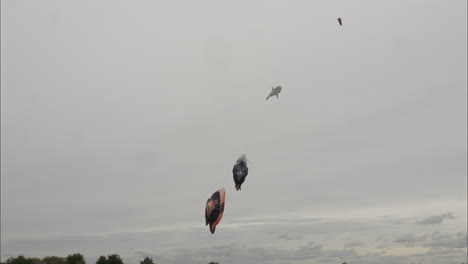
(78,258)
(75,258)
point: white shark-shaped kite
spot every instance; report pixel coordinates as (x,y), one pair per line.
(274,91)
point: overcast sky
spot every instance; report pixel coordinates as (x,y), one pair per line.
(120,118)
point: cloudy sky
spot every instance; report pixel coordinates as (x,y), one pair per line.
(120,118)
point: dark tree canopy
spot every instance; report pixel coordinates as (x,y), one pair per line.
(36,261)
(101,260)
(111,259)
(114,259)
(19,260)
(147,260)
(75,258)
(53,260)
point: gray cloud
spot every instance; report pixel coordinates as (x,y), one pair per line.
(238,253)
(287,236)
(354,244)
(383,246)
(447,241)
(382,242)
(435,241)
(447,255)
(411,240)
(437,219)
(310,252)
(380,237)
(196,245)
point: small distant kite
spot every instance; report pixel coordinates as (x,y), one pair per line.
(240,171)
(339,21)
(274,91)
(214,209)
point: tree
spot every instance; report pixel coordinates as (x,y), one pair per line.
(75,258)
(36,261)
(101,260)
(53,260)
(111,259)
(147,261)
(19,260)
(114,259)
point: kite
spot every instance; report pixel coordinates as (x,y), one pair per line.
(215,209)
(240,171)
(274,91)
